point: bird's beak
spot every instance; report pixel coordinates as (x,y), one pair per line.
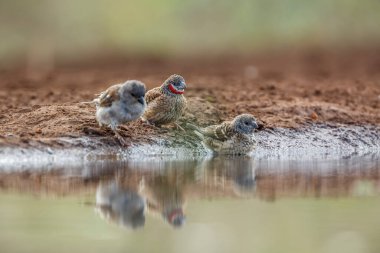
(141,100)
(255,125)
(183,85)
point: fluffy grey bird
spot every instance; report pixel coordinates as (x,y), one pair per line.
(119,104)
(166,104)
(234,137)
(121,206)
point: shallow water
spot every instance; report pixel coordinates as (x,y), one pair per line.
(210,204)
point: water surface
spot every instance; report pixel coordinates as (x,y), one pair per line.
(219,204)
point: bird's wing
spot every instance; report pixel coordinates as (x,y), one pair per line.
(106,98)
(152,94)
(214,144)
(220,132)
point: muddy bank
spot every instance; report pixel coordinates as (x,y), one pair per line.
(316,141)
(291,93)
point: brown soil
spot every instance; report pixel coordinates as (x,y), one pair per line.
(283,89)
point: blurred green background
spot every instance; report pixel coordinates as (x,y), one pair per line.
(75,29)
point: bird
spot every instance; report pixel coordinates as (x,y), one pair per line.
(234,137)
(166,104)
(165,198)
(121,206)
(119,104)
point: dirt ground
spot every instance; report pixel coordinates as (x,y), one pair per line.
(282,89)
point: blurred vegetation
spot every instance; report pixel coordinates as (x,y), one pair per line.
(74,29)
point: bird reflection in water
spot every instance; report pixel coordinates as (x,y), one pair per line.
(162,191)
(127,206)
(124,207)
(233,176)
(165,196)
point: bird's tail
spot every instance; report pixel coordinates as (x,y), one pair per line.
(89,102)
(197,130)
(193,127)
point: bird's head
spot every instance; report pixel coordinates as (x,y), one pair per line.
(175,217)
(133,91)
(175,84)
(245,124)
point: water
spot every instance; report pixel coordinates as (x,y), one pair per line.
(209,204)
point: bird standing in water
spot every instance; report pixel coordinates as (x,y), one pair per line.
(166,104)
(119,104)
(234,137)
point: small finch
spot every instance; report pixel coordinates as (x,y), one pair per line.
(166,104)
(234,137)
(119,104)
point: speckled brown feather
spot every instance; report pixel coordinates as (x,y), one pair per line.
(152,94)
(107,97)
(236,144)
(220,132)
(163,108)
(224,139)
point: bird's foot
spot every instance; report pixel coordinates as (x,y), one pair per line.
(121,139)
(104,128)
(163,130)
(93,131)
(125,130)
(150,125)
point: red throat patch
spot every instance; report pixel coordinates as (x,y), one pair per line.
(173,214)
(174,90)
